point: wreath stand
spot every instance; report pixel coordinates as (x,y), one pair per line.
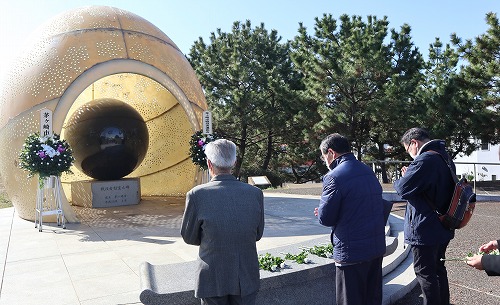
(48,202)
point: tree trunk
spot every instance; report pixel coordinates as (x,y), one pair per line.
(358,150)
(383,168)
(269,151)
(242,146)
(295,174)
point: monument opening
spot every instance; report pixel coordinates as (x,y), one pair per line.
(109,138)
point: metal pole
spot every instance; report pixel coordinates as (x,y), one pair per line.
(474,177)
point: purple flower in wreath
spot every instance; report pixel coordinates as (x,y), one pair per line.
(198,142)
(41,154)
(45,156)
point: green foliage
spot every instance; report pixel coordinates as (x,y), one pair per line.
(480,81)
(360,81)
(274,263)
(250,85)
(445,108)
(471,254)
(300,258)
(356,76)
(197,148)
(322,251)
(457,103)
(300,162)
(45,156)
(492,252)
(270,263)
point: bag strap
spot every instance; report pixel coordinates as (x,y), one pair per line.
(453,175)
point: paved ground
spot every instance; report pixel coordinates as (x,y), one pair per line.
(467,285)
(96,261)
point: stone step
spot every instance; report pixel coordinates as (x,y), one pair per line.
(397,268)
(391,261)
(399,282)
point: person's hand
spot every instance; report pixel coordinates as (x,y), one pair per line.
(492,245)
(403,170)
(316,212)
(475,261)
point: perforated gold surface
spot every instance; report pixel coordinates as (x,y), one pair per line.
(103,52)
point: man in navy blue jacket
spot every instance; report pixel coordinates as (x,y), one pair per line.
(427,179)
(352,205)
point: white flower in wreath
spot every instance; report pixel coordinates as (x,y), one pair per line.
(49,151)
(44,139)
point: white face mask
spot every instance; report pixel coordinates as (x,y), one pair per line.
(324,157)
(409,150)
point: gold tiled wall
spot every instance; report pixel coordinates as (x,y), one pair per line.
(67,51)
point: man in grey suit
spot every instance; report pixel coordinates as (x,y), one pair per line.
(225,217)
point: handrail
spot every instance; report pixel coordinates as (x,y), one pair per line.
(475,164)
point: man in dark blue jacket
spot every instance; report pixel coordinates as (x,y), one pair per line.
(427,180)
(352,205)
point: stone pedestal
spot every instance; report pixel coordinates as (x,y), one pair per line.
(103,194)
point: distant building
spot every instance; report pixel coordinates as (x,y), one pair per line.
(487,167)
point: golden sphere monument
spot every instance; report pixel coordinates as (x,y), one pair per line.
(99,53)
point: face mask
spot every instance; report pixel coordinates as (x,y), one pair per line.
(329,166)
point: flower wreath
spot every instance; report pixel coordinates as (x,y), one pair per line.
(197,148)
(45,156)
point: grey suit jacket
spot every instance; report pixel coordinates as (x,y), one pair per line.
(225,217)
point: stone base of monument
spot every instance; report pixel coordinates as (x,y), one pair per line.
(104,194)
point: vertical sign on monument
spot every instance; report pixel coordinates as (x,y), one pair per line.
(48,199)
(207,129)
(207,122)
(45,122)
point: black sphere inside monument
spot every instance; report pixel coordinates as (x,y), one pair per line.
(109,138)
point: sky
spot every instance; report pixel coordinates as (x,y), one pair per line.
(185,21)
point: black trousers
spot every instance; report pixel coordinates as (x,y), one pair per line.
(431,273)
(231,300)
(359,283)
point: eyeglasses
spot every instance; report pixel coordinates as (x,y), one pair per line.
(408,147)
(322,157)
